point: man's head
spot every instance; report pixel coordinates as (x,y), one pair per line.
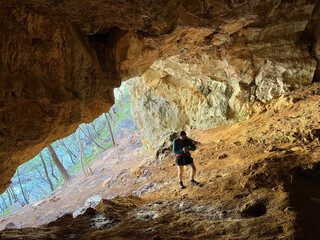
(182,135)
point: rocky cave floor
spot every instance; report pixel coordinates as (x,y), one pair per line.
(260,179)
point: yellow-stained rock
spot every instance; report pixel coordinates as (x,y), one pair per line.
(136,172)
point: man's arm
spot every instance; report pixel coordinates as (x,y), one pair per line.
(176,150)
(192,146)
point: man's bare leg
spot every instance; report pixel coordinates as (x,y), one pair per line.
(180,176)
(193,170)
(180,173)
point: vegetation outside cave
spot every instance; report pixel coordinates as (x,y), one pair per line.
(40,176)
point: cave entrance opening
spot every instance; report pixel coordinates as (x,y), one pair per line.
(95,157)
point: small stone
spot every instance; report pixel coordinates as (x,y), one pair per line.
(100,221)
(294,149)
(273,149)
(11,225)
(54,199)
(107,182)
(72,235)
(136,173)
(223,156)
(269,149)
(147,214)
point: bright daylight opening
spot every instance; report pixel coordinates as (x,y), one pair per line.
(74,173)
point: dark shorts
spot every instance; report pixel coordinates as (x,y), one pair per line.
(184,159)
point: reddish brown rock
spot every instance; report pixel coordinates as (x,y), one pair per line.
(61,60)
(51,81)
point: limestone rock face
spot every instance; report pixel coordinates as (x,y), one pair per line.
(223,85)
(224,76)
(211,60)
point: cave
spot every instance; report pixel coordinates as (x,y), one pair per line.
(240,77)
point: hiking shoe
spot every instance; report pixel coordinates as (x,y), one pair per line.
(193,182)
(182,186)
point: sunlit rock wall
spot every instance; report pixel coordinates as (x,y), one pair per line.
(225,76)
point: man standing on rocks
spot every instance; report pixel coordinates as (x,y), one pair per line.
(181,148)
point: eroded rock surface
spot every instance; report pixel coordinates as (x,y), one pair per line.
(61,60)
(264,187)
(51,80)
(226,75)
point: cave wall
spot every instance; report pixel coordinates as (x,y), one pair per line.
(51,80)
(61,60)
(312,37)
(224,76)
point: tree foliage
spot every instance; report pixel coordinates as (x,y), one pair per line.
(39,177)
